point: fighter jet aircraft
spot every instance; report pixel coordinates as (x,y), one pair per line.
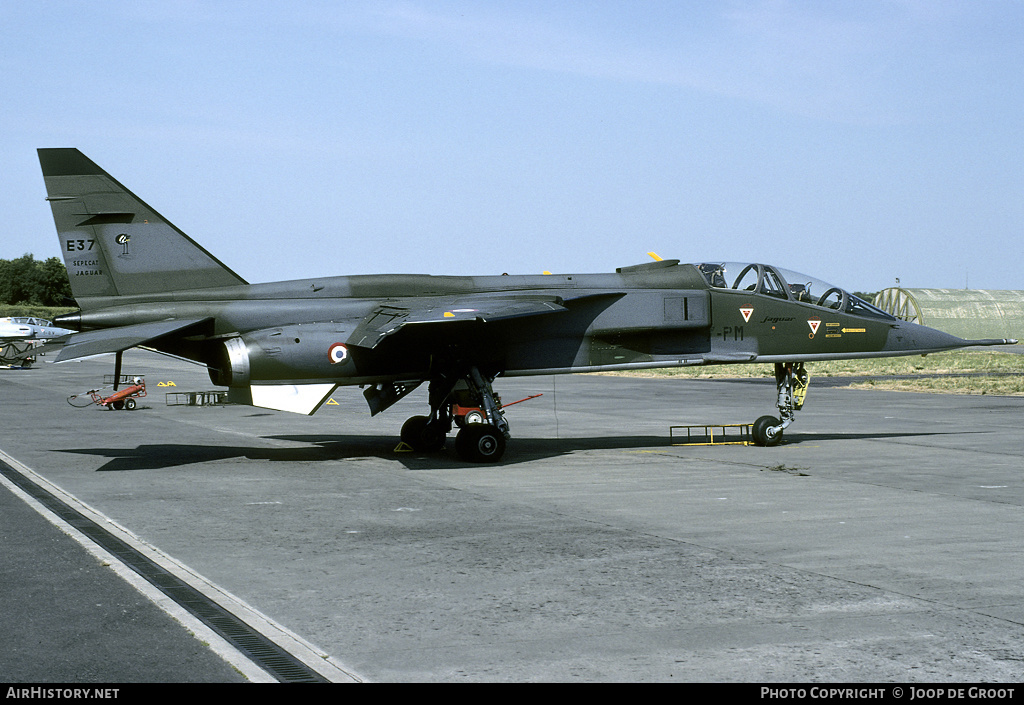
(140,281)
(17,328)
(18,335)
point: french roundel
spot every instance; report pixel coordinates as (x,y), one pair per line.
(337,353)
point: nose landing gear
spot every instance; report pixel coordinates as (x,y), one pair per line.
(791,380)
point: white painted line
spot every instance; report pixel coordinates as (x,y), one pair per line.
(314,657)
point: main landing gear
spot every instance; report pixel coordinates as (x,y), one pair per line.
(480,442)
(791,379)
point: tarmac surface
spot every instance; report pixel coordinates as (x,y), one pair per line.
(880,543)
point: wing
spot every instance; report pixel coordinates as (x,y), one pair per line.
(387,320)
(108,340)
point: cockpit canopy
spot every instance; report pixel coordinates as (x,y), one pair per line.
(781,283)
(25,320)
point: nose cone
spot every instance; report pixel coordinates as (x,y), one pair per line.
(912,338)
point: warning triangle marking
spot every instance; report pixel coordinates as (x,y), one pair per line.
(814,323)
(746,312)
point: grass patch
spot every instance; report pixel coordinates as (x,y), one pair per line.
(1002,385)
(954,372)
(47,312)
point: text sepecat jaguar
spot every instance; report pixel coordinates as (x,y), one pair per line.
(139,281)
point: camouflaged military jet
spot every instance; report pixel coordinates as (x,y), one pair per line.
(139,281)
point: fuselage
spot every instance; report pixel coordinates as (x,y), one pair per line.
(657,315)
(14,328)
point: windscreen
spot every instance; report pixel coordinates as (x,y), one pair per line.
(777,282)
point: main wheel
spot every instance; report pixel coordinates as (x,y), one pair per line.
(480,443)
(422,436)
(475,416)
(129,404)
(762,434)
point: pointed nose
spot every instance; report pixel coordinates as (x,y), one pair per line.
(912,337)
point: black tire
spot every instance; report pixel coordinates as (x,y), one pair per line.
(422,436)
(480,443)
(760,434)
(129,404)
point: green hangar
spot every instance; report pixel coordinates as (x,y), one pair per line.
(967,313)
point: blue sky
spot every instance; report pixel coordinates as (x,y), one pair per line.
(854,140)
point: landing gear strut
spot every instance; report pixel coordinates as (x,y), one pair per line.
(482,442)
(791,379)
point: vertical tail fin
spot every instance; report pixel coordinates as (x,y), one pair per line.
(113,243)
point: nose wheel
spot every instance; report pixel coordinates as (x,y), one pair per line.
(791,380)
(767,431)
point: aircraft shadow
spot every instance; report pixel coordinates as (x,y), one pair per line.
(161,456)
(520,450)
(341,447)
(796,438)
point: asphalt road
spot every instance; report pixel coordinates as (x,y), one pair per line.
(880,542)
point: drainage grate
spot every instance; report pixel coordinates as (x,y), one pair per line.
(257,647)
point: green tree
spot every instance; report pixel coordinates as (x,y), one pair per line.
(26,284)
(56,287)
(5,281)
(26,281)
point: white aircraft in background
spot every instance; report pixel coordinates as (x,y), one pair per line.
(18,328)
(18,335)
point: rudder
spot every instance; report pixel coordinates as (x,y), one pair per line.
(113,243)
